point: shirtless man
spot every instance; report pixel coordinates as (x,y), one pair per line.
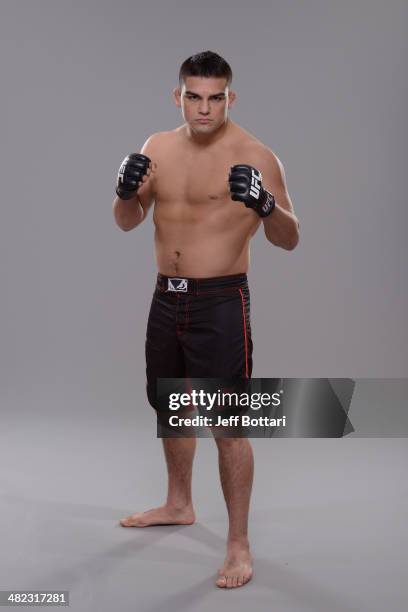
(212,185)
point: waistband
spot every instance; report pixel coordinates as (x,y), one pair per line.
(180,284)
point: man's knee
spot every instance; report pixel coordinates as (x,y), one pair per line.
(229,442)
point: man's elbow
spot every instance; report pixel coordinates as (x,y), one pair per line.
(285,242)
(292,244)
(294,238)
(127,228)
(287,245)
(121,223)
(127,219)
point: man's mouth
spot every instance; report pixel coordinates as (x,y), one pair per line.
(203,120)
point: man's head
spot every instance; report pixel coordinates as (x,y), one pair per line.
(203,92)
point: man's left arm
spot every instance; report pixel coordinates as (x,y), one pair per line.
(281,227)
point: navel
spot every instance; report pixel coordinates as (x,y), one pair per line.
(175,261)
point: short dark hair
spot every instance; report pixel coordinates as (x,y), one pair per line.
(206,64)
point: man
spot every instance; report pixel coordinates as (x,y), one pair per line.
(213,184)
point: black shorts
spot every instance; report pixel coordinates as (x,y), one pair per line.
(198,328)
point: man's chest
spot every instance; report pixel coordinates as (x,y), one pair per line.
(194,179)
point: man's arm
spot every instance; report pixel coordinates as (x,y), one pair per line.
(130,213)
(281,227)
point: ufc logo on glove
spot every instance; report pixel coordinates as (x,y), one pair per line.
(256,180)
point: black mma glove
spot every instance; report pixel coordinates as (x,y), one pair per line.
(246,186)
(131,171)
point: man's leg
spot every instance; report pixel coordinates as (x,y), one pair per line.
(178,509)
(164,358)
(218,344)
(236,464)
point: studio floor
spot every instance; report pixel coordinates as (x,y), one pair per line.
(327,525)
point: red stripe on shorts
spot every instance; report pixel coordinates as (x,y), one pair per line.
(245,333)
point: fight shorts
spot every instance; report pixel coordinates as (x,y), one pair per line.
(198,328)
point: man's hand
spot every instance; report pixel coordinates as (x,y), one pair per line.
(133,171)
(246,186)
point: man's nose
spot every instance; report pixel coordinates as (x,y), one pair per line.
(204,108)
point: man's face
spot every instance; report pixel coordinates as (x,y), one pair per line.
(204,102)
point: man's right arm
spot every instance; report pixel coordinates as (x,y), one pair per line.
(129,213)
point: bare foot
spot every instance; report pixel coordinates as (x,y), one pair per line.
(237,568)
(160,516)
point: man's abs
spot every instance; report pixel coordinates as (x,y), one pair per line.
(201,249)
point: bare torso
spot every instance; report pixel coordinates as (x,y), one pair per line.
(199,231)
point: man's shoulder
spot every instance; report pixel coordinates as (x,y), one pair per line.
(158,141)
(249,145)
(250,150)
(262,157)
(158,138)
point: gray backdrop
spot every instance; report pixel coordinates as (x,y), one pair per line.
(84,83)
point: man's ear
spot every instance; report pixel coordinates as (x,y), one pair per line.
(177,96)
(231,98)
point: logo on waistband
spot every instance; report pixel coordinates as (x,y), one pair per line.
(177,284)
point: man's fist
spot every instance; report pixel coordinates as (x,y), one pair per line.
(246,186)
(130,175)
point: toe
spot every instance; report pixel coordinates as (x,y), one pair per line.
(222,581)
(131,521)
